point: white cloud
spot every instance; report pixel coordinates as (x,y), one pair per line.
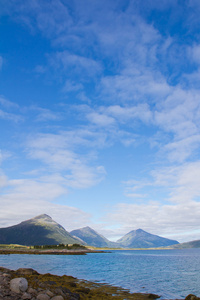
(129,113)
(195,53)
(30,189)
(81,65)
(134,86)
(180,150)
(58,154)
(132,186)
(181,182)
(3,179)
(100,119)
(179,112)
(45,114)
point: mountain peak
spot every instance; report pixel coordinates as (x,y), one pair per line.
(92,238)
(43,217)
(140,230)
(87,228)
(142,239)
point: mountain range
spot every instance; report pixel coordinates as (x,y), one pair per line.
(43,230)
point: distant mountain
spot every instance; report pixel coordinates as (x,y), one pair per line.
(92,238)
(41,230)
(192,244)
(142,239)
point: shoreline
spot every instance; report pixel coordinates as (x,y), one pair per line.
(49,251)
(53,287)
(63,287)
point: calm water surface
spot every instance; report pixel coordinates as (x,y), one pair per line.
(169,273)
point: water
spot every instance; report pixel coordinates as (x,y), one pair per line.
(172,274)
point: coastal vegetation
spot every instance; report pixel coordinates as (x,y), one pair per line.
(60,246)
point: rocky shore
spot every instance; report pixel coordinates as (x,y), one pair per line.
(49,251)
(28,284)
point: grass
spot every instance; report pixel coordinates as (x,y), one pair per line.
(13,246)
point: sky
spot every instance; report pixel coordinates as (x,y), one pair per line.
(100,115)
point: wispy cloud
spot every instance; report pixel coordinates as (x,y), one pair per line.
(80,65)
(58,153)
(7,108)
(72,86)
(45,115)
(7,104)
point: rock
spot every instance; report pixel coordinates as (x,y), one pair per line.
(18,285)
(26,296)
(32,291)
(49,293)
(153,296)
(43,297)
(26,271)
(57,298)
(6,275)
(192,297)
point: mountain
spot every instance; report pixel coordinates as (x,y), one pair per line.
(92,238)
(41,230)
(142,239)
(191,244)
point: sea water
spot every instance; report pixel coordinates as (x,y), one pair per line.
(172,274)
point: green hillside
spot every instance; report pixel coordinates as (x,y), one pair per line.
(41,230)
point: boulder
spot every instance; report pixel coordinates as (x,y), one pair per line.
(43,297)
(18,285)
(57,298)
(26,296)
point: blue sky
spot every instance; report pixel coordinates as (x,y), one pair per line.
(100,115)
